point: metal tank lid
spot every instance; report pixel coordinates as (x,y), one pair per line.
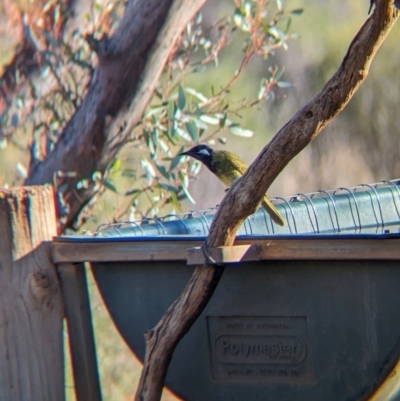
(363,211)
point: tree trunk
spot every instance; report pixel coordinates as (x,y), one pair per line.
(130,64)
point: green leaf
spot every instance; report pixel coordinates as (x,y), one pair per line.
(276,33)
(132,192)
(245,133)
(109,185)
(182,133)
(279,73)
(199,95)
(222,121)
(187,193)
(288,24)
(115,165)
(181,197)
(167,187)
(181,98)
(297,11)
(283,84)
(174,201)
(192,129)
(163,171)
(155,138)
(209,120)
(199,124)
(170,133)
(184,178)
(171,110)
(175,161)
(222,140)
(240,20)
(129,173)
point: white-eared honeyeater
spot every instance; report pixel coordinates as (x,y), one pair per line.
(396,3)
(228,167)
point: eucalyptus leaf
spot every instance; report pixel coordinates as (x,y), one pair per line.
(222,121)
(181,98)
(271,96)
(170,133)
(174,200)
(192,129)
(167,187)
(209,120)
(163,171)
(115,165)
(241,21)
(148,167)
(279,73)
(245,133)
(183,134)
(297,11)
(283,84)
(183,177)
(171,109)
(129,173)
(176,161)
(109,185)
(132,192)
(188,195)
(288,24)
(200,124)
(199,95)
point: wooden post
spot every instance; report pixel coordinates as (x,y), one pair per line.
(80,331)
(31,310)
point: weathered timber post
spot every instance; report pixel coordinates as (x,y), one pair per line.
(31,310)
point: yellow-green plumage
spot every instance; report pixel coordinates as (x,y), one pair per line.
(228,167)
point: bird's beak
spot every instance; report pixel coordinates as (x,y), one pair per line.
(187,153)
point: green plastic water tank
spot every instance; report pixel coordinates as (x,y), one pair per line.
(320,330)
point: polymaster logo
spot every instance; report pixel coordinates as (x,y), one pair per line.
(260,348)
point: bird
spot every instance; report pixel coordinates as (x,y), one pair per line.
(228,167)
(396,3)
(371,3)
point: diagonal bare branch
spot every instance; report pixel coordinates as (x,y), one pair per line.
(244,197)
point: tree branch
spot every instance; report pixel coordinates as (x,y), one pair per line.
(245,195)
(130,64)
(25,62)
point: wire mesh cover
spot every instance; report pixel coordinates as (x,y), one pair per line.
(370,209)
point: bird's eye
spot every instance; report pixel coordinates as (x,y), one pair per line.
(204,152)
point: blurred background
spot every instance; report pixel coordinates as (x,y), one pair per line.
(360,145)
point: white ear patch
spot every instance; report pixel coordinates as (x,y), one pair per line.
(204,152)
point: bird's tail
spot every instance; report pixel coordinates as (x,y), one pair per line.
(272,211)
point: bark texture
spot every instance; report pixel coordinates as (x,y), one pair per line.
(31,305)
(244,196)
(130,63)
